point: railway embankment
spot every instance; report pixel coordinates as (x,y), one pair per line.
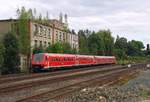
(72,85)
(134,89)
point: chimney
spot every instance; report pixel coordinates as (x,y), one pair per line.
(60,17)
(66,19)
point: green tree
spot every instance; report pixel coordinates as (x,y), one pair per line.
(120,54)
(74,51)
(88,32)
(83,43)
(108,41)
(121,43)
(23,18)
(57,48)
(30,14)
(2,50)
(120,49)
(38,50)
(66,48)
(95,44)
(11,54)
(49,49)
(135,48)
(22,31)
(40,17)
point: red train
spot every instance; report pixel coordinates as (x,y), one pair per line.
(45,61)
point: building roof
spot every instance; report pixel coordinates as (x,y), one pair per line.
(58,24)
(7,20)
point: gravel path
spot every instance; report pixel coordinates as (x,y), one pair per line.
(135,90)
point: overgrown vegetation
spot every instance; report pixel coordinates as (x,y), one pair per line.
(102,43)
(23,30)
(2,50)
(56,48)
(10,55)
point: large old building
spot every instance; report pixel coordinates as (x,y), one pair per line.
(55,31)
(44,34)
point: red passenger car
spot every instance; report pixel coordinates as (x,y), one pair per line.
(105,60)
(85,60)
(45,61)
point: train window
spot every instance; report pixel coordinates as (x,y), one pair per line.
(56,59)
(67,59)
(70,59)
(38,57)
(46,58)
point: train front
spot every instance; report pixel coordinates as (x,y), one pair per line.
(38,62)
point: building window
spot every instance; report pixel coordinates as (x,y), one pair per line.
(45,44)
(64,36)
(49,33)
(56,35)
(35,29)
(60,36)
(48,43)
(40,43)
(44,31)
(41,30)
(35,43)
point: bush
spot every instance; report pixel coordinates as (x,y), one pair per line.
(11,54)
(1,56)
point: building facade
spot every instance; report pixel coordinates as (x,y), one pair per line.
(43,34)
(55,31)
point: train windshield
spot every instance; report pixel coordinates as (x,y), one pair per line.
(38,57)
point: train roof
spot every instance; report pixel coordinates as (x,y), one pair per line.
(97,56)
(56,54)
(105,56)
(84,56)
(72,55)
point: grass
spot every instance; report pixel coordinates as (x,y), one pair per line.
(130,60)
(144,93)
(126,79)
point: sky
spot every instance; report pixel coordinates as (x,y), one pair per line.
(126,18)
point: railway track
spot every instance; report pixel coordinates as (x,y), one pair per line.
(18,77)
(74,76)
(45,79)
(62,92)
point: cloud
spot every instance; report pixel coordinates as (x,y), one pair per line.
(129,18)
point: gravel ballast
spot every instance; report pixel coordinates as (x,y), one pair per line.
(135,90)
